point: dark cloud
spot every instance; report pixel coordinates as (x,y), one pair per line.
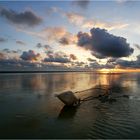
(91,60)
(137,46)
(6,50)
(46,47)
(103,44)
(95,65)
(58,57)
(128,64)
(27,18)
(49,53)
(116,63)
(16,64)
(64,41)
(67,39)
(2,40)
(22,65)
(138,58)
(39,45)
(30,56)
(11,51)
(79,64)
(84,39)
(81,3)
(12,64)
(20,42)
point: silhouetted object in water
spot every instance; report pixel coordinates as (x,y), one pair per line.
(126,96)
(68,98)
(106,98)
(67,112)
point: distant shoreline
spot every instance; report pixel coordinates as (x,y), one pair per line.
(95,72)
(41,71)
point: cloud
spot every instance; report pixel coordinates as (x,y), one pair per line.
(91,60)
(49,33)
(111,60)
(49,53)
(73,57)
(137,46)
(75,18)
(83,39)
(27,18)
(2,56)
(103,44)
(86,23)
(102,24)
(128,64)
(20,42)
(123,64)
(8,54)
(39,45)
(95,65)
(2,40)
(64,41)
(11,51)
(81,3)
(68,39)
(58,57)
(13,64)
(28,61)
(138,58)
(78,64)
(51,10)
(30,56)
(53,34)
(46,47)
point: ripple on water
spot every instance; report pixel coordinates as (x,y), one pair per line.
(113,123)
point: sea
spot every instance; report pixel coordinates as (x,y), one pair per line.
(29,107)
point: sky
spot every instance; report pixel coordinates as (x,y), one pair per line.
(69,35)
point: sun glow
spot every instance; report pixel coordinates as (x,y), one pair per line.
(118,70)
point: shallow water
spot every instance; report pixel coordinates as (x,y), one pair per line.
(29,109)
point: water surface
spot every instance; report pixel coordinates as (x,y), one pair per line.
(29,109)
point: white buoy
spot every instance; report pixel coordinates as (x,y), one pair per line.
(68,98)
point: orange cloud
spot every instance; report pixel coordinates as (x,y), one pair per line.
(98,24)
(53,34)
(73,57)
(82,21)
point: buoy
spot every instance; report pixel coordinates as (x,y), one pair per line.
(68,98)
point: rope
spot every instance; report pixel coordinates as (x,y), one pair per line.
(100,98)
(92,89)
(91,97)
